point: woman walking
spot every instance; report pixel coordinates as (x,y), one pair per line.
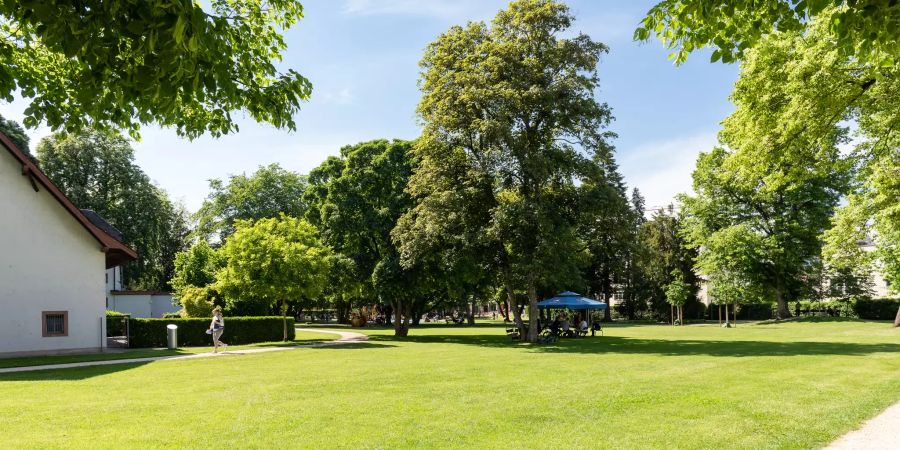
(217,326)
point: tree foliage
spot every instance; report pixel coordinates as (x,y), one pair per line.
(665,258)
(117,64)
(273,261)
(96,170)
(14,131)
(512,128)
(356,199)
(194,268)
(866,31)
(267,193)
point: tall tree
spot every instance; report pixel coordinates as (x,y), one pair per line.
(268,192)
(827,63)
(512,124)
(759,209)
(96,170)
(665,259)
(272,262)
(118,64)
(356,200)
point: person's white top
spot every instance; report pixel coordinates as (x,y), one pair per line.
(584,324)
(566,325)
(217,321)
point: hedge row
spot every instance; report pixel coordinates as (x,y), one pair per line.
(192,332)
(877,309)
(869,309)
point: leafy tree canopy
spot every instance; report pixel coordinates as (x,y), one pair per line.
(273,261)
(511,121)
(357,199)
(194,268)
(864,30)
(16,134)
(118,64)
(96,170)
(269,192)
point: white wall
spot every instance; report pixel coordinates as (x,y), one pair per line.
(142,305)
(162,304)
(48,262)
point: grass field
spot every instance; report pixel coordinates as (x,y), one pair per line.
(786,385)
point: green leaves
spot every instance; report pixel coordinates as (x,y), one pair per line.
(273,260)
(120,64)
(864,31)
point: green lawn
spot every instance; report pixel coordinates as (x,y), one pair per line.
(788,385)
(302,337)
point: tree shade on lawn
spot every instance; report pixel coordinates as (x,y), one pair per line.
(442,388)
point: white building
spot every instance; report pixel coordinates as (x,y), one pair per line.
(52,259)
(143,304)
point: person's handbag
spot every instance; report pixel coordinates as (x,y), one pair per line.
(208,331)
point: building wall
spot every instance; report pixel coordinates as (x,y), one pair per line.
(48,262)
(143,305)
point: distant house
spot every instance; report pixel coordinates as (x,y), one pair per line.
(142,304)
(52,259)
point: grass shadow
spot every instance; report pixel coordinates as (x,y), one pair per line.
(362,345)
(69,374)
(679,347)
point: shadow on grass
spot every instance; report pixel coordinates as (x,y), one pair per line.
(680,347)
(354,346)
(70,374)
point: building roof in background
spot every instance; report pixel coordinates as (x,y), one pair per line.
(102,224)
(117,252)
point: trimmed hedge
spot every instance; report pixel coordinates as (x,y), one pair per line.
(115,324)
(877,309)
(192,332)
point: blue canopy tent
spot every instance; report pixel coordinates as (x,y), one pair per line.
(571,300)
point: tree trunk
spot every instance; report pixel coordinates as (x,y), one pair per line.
(897,319)
(284,318)
(672,314)
(782,312)
(511,298)
(504,312)
(681,315)
(400,328)
(532,311)
(471,316)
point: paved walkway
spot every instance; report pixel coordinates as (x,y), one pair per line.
(346,337)
(881,432)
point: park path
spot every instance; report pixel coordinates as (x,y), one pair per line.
(880,432)
(346,337)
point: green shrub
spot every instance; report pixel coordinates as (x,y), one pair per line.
(196,302)
(115,325)
(877,309)
(755,311)
(192,331)
(174,315)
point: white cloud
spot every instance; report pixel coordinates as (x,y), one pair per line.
(342,97)
(662,169)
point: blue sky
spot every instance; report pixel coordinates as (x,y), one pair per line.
(362,58)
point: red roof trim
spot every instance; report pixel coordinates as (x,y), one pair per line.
(116,252)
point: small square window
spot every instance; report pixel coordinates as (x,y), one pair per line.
(55,323)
